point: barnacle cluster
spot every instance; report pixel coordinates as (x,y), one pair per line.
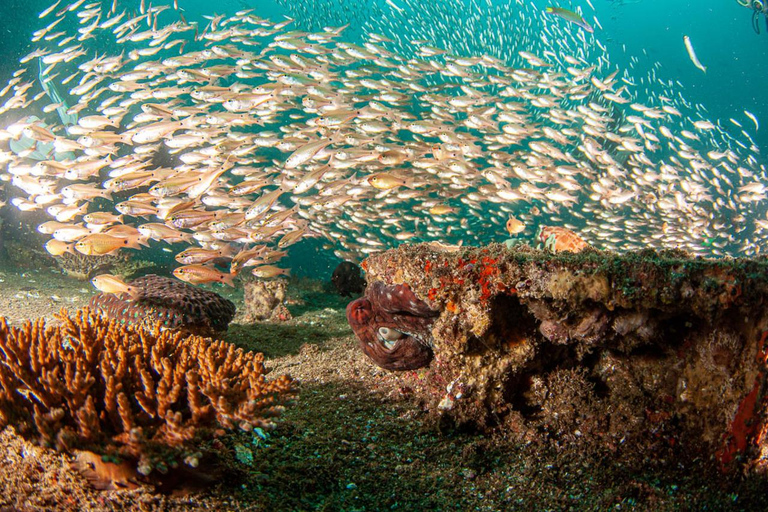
(151,399)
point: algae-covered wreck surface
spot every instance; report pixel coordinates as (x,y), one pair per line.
(584,349)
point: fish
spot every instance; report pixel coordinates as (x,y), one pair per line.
(191,218)
(57,247)
(387,181)
(514,226)
(163,233)
(99,244)
(102,218)
(108,283)
(704,125)
(263,203)
(205,181)
(692,54)
(196,255)
(201,274)
(310,180)
(270,271)
(306,152)
(231,135)
(753,118)
(70,233)
(49,10)
(392,157)
(292,237)
(441,209)
(571,16)
(249,257)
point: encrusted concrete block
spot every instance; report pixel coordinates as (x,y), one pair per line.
(598,347)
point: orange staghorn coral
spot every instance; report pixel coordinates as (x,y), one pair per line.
(150,397)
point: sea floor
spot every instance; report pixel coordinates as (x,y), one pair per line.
(356,440)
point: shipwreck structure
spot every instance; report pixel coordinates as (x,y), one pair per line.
(645,347)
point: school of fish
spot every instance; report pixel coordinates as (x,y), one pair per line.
(241,136)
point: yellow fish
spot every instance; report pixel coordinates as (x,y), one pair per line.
(440,209)
(57,247)
(308,151)
(195,255)
(99,244)
(268,271)
(386,181)
(392,157)
(514,226)
(109,283)
(200,274)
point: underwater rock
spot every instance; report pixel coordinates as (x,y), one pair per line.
(265,300)
(348,279)
(173,303)
(24,255)
(647,347)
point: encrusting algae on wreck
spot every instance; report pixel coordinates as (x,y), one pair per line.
(135,405)
(591,347)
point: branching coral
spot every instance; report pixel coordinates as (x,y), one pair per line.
(150,397)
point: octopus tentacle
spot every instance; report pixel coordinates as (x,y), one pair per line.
(393,326)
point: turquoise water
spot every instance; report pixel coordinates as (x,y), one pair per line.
(736,57)
(717,210)
(650,30)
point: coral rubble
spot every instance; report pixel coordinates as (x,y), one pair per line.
(647,346)
(265,300)
(175,304)
(153,399)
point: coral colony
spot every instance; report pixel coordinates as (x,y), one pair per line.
(146,400)
(174,304)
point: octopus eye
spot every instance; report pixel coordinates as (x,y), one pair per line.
(389,336)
